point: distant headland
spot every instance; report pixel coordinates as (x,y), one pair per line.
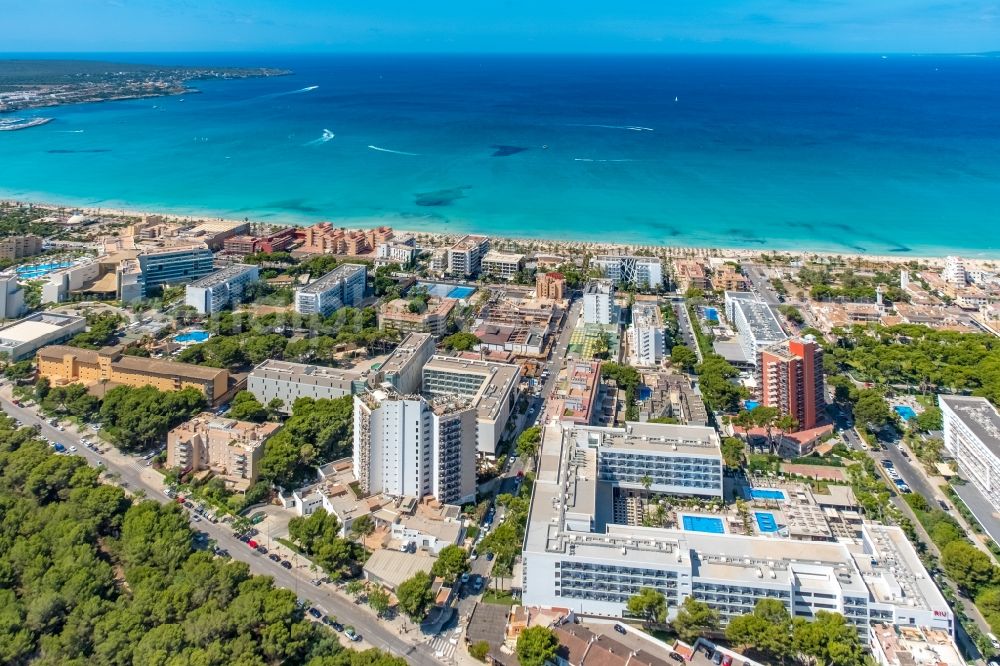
(33,84)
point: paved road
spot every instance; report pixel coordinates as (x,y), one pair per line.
(376,634)
(761,285)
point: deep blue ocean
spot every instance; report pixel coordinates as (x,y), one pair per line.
(855,153)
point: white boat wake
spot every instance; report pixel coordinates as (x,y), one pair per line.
(395,152)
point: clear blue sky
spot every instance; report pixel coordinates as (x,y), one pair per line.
(699,26)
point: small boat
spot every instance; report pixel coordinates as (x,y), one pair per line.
(676,100)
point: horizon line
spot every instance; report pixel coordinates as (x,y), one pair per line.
(10,54)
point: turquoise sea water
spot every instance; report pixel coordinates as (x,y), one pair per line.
(896,155)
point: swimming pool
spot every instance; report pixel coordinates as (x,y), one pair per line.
(192,336)
(39,270)
(703,524)
(711,314)
(442,290)
(768,494)
(765,521)
(905,412)
(750,404)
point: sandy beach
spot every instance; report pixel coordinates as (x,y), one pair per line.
(543,245)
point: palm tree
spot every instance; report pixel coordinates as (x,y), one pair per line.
(646,482)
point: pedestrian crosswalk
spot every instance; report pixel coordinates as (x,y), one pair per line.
(444,649)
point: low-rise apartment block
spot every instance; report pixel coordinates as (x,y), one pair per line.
(20,339)
(344,285)
(403,369)
(288,382)
(690,274)
(70,365)
(229,449)
(502,265)
(576,394)
(396,315)
(642,272)
(972,436)
(279,240)
(577,555)
(402,251)
(728,278)
(671,395)
(18,247)
(647,335)
(324,238)
(222,289)
(550,286)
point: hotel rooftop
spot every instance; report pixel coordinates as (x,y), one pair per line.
(222,275)
(329,280)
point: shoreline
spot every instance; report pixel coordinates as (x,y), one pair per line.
(543,244)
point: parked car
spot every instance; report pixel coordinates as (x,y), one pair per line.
(251,543)
(262,550)
(489,556)
(273,557)
(676,657)
(353,635)
(717,658)
(944,505)
(620,629)
(315,613)
(337,626)
(286,564)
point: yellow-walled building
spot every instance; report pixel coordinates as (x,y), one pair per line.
(61,364)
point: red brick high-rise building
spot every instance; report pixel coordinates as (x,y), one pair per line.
(790,377)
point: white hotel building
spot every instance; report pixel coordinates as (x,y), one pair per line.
(647,335)
(635,271)
(972,435)
(344,285)
(576,557)
(221,289)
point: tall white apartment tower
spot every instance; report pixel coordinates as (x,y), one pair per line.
(599,303)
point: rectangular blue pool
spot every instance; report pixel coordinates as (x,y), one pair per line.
(442,290)
(905,412)
(703,524)
(768,494)
(765,522)
(750,404)
(711,314)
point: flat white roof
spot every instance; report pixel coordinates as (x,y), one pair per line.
(28,331)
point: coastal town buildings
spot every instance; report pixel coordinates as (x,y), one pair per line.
(278,240)
(401,250)
(913,646)
(397,315)
(727,278)
(790,378)
(503,265)
(576,393)
(971,428)
(550,286)
(403,370)
(18,247)
(344,285)
(287,382)
(229,449)
(324,238)
(20,339)
(578,554)
(71,365)
(646,335)
(599,303)
(641,272)
(671,395)
(955,271)
(464,258)
(222,289)
(514,322)
(12,303)
(690,274)
(755,321)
